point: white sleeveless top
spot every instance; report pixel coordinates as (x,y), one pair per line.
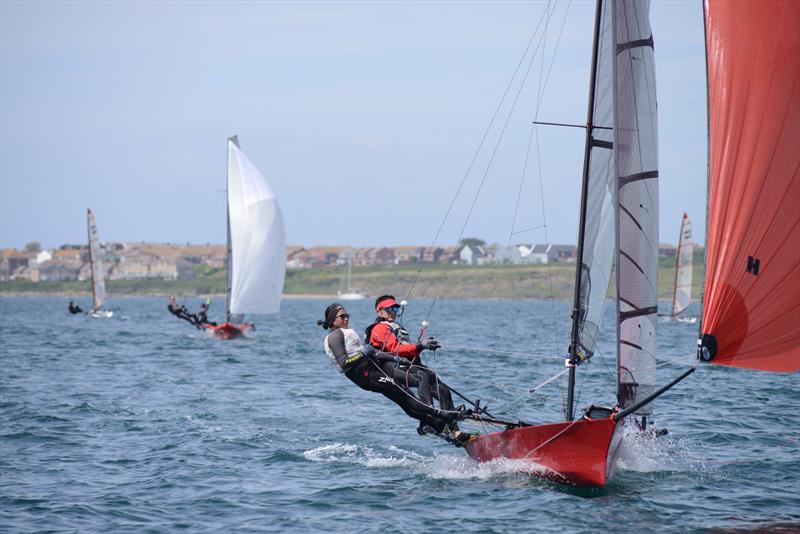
(352,345)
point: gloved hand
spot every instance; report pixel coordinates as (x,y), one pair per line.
(369,351)
(429,343)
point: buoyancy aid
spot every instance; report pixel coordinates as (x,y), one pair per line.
(395,328)
(352,346)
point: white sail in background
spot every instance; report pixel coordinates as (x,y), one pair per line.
(349,293)
(683,269)
(258,238)
(636,144)
(95,263)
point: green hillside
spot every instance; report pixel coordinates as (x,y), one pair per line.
(446,281)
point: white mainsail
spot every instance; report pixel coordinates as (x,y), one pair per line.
(95,263)
(257,263)
(683,269)
(636,143)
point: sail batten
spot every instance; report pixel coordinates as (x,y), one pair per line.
(750,303)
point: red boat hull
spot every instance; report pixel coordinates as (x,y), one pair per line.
(579,452)
(228,330)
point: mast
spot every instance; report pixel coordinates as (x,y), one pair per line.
(349,267)
(235,140)
(677,268)
(576,308)
(91,259)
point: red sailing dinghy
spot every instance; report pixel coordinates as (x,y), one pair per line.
(619,197)
(751,304)
(256,246)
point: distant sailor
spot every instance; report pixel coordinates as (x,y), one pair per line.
(202,315)
(383,373)
(180,312)
(74,308)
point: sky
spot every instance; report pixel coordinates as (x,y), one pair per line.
(363,116)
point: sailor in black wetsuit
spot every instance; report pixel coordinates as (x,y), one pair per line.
(180,312)
(379,372)
(202,315)
(73,308)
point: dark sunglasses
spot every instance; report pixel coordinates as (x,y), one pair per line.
(343,316)
(392,309)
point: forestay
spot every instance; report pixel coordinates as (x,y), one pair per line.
(258,238)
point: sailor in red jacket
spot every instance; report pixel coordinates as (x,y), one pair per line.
(387,335)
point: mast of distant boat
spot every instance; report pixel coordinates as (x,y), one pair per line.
(229,259)
(91,259)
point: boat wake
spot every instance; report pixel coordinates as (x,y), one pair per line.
(363,455)
(454,466)
(647,453)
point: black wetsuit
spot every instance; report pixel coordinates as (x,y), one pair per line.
(380,373)
(412,363)
(73,309)
(181,313)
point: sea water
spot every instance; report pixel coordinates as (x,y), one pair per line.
(140,423)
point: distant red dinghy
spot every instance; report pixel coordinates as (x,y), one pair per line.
(256,260)
(229,330)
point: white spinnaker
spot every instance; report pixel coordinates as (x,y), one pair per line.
(95,263)
(683,269)
(258,238)
(636,144)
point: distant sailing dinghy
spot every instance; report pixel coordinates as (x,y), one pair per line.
(349,292)
(682,296)
(256,246)
(751,317)
(97,271)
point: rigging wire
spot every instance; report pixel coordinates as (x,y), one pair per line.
(499,141)
(483,140)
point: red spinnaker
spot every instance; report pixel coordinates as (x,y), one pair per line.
(751,303)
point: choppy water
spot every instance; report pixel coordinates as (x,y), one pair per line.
(140,424)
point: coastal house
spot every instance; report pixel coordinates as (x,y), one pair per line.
(551,254)
(382,256)
(362,256)
(406,255)
(323,257)
(508,255)
(54,270)
(13,262)
(302,259)
(450,254)
(430,254)
(470,254)
(666,250)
